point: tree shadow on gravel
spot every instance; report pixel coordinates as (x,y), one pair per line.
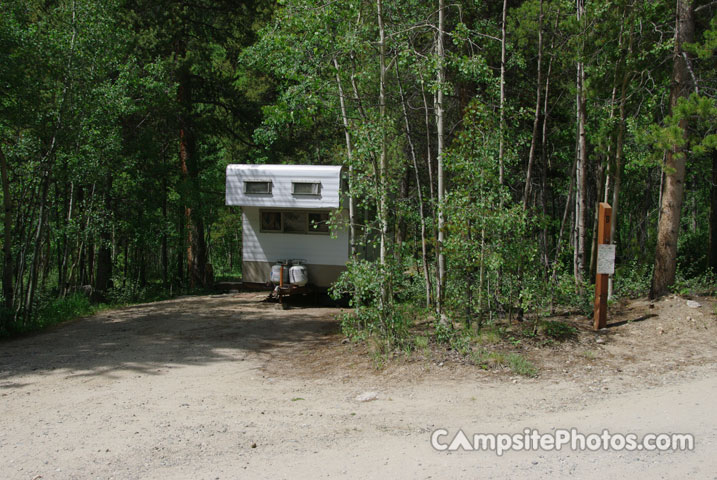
(151,337)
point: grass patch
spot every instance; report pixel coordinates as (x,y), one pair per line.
(56,311)
(420,342)
(52,311)
(488,335)
(496,359)
(589,354)
(517,363)
(520,365)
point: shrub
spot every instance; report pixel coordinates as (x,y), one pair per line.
(127,293)
(63,309)
(50,312)
(362,283)
(564,293)
(632,280)
(444,333)
(558,330)
(702,284)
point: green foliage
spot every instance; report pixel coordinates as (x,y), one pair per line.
(89,115)
(702,284)
(585,301)
(491,249)
(701,111)
(52,312)
(127,292)
(461,343)
(361,283)
(443,333)
(557,330)
(632,280)
(60,310)
(564,292)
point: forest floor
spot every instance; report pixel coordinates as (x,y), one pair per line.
(226,386)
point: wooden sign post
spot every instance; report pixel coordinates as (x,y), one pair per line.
(605,264)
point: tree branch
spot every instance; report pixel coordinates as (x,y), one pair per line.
(705,6)
(688,64)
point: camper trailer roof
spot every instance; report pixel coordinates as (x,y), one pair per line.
(284,186)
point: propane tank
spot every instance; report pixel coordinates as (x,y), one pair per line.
(276,272)
(298,274)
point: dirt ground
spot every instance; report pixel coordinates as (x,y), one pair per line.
(228,387)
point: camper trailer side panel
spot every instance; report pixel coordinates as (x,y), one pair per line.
(281,178)
(325,256)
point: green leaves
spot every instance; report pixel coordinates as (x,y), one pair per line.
(697,111)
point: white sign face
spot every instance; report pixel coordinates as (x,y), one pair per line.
(606,259)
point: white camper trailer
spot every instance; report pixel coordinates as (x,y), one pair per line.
(285,209)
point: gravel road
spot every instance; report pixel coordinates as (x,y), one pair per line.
(218,387)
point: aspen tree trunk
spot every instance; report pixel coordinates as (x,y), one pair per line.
(103,278)
(349,158)
(581,170)
(713,215)
(412,149)
(165,252)
(63,275)
(501,127)
(564,221)
(46,164)
(441,284)
(544,143)
(429,163)
(383,160)
(536,118)
(39,231)
(672,195)
(7,272)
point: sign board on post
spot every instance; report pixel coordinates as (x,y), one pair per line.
(606,259)
(605,264)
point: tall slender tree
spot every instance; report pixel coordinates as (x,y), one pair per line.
(675,159)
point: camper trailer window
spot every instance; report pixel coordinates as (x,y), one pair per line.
(305,188)
(294,222)
(318,222)
(257,187)
(271,221)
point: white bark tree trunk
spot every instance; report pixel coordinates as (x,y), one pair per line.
(349,158)
(441,284)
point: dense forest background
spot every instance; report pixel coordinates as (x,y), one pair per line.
(480,138)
